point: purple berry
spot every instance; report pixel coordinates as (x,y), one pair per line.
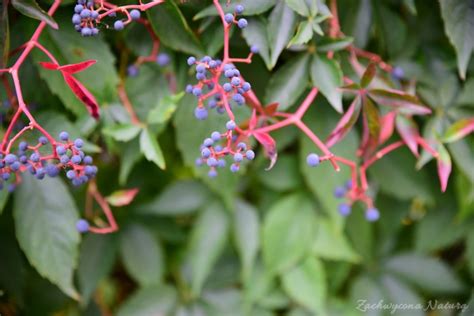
(242,23)
(208,142)
(398,73)
(239,9)
(339,192)
(64,136)
(372,214)
(191,60)
(250,155)
(312,160)
(205,153)
(135,14)
(216,136)
(10,158)
(212,173)
(200,113)
(163,59)
(254,49)
(78,143)
(229,18)
(82,226)
(43,140)
(118,25)
(132,71)
(344,209)
(230,125)
(234,167)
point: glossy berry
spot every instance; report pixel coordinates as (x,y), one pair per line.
(76,19)
(208,142)
(212,162)
(76,159)
(229,18)
(339,192)
(86,31)
(254,49)
(238,157)
(235,81)
(64,159)
(234,167)
(227,87)
(242,23)
(10,158)
(87,160)
(35,157)
(250,155)
(372,214)
(241,146)
(200,113)
(344,209)
(197,91)
(43,140)
(78,143)
(246,86)
(205,153)
(23,146)
(239,9)
(85,13)
(191,60)
(15,166)
(163,59)
(60,150)
(52,170)
(82,226)
(64,136)
(135,14)
(216,136)
(71,174)
(118,25)
(230,125)
(78,8)
(312,160)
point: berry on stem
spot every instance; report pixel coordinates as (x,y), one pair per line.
(82,226)
(135,14)
(344,209)
(372,214)
(312,160)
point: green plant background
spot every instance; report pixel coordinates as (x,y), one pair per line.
(261,242)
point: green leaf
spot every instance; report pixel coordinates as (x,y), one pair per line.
(326,75)
(256,34)
(130,156)
(142,255)
(333,44)
(173,30)
(303,34)
(4,34)
(182,197)
(403,102)
(96,259)
(4,195)
(299,6)
(331,243)
(371,114)
(165,109)
(367,290)
(45,229)
(288,229)
(122,132)
(284,176)
(101,79)
(152,300)
(306,284)
(368,75)
(208,239)
(279,34)
(399,294)
(246,228)
(151,149)
(251,8)
(470,252)
(427,273)
(458,19)
(360,22)
(459,130)
(284,91)
(31,9)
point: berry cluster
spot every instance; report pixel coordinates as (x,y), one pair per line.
(349,192)
(87,16)
(230,18)
(218,146)
(29,158)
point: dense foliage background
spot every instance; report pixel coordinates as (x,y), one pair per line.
(259,242)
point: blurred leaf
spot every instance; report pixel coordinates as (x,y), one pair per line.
(333,44)
(208,239)
(165,109)
(304,33)
(400,294)
(4,195)
(299,6)
(306,284)
(408,131)
(4,34)
(470,252)
(469,309)
(286,92)
(31,9)
(326,75)
(142,255)
(181,197)
(251,8)
(346,122)
(122,197)
(173,30)
(45,229)
(130,156)
(366,291)
(458,18)
(429,274)
(467,94)
(403,102)
(284,176)
(444,166)
(153,300)
(361,22)
(122,132)
(288,229)
(465,196)
(151,149)
(279,34)
(332,244)
(97,256)
(246,228)
(256,34)
(459,130)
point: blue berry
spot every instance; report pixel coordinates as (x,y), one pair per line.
(163,59)
(236,73)
(246,86)
(10,158)
(212,162)
(197,91)
(43,140)
(312,160)
(200,76)
(238,157)
(76,159)
(6,176)
(87,160)
(230,125)
(191,60)
(398,73)
(23,159)
(221,163)
(23,146)
(235,81)
(239,9)
(254,49)
(213,64)
(229,18)
(11,188)
(64,136)
(132,71)
(135,14)
(228,66)
(216,136)
(35,157)
(238,98)
(118,25)
(71,174)
(60,150)
(208,142)
(89,170)
(218,148)
(339,192)
(242,23)
(64,159)
(227,87)
(85,13)
(234,167)
(198,162)
(15,166)
(76,19)
(86,31)
(81,1)
(344,209)
(78,143)
(78,8)
(201,68)
(52,170)
(372,214)
(40,173)
(205,153)
(229,73)
(242,146)
(206,59)
(349,184)
(200,113)
(82,226)
(212,173)
(250,155)
(189,88)
(94,15)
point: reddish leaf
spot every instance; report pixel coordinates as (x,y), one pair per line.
(271,108)
(387,123)
(444,166)
(73,68)
(353,87)
(345,123)
(403,102)
(368,75)
(82,94)
(408,131)
(270,147)
(459,130)
(122,197)
(253,119)
(371,131)
(49,66)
